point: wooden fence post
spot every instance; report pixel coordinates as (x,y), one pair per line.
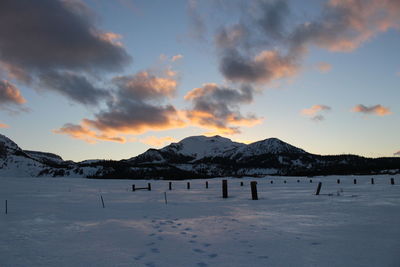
(284,181)
(338,181)
(310,180)
(298,181)
(165,198)
(318,188)
(392,181)
(253,186)
(6,207)
(272,181)
(355,181)
(372,181)
(149,186)
(188,185)
(133,187)
(102,201)
(241,183)
(170,185)
(206,184)
(224,188)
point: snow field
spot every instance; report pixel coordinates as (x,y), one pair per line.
(61,222)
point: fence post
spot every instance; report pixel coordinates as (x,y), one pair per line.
(284,181)
(253,186)
(170,185)
(102,201)
(188,185)
(298,181)
(165,198)
(338,181)
(133,187)
(224,188)
(149,186)
(241,183)
(355,181)
(318,188)
(372,181)
(310,180)
(206,184)
(392,181)
(6,207)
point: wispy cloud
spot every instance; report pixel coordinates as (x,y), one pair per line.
(324,67)
(9,94)
(372,110)
(315,112)
(176,57)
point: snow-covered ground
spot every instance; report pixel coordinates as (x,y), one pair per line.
(61,222)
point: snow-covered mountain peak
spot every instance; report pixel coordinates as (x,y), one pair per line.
(267,146)
(202,146)
(8,144)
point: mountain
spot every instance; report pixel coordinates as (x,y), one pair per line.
(194,157)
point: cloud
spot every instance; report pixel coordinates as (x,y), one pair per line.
(216,107)
(55,44)
(270,28)
(135,107)
(85,134)
(176,57)
(9,94)
(324,67)
(74,86)
(265,67)
(3,125)
(315,112)
(157,141)
(197,26)
(372,110)
(397,153)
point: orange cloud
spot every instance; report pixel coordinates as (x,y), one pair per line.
(315,112)
(315,109)
(111,37)
(363,20)
(324,67)
(85,134)
(3,125)
(176,57)
(375,110)
(157,141)
(9,94)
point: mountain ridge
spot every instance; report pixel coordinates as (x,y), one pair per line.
(194,157)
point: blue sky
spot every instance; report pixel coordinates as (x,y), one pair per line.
(323,75)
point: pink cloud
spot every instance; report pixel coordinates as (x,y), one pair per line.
(374,110)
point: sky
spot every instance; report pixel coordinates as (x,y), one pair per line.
(109,79)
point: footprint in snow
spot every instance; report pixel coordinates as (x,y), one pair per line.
(150,244)
(152,234)
(187,229)
(197,250)
(263,257)
(155,250)
(140,256)
(214,255)
(315,243)
(206,245)
(150,264)
(192,241)
(202,264)
(194,236)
